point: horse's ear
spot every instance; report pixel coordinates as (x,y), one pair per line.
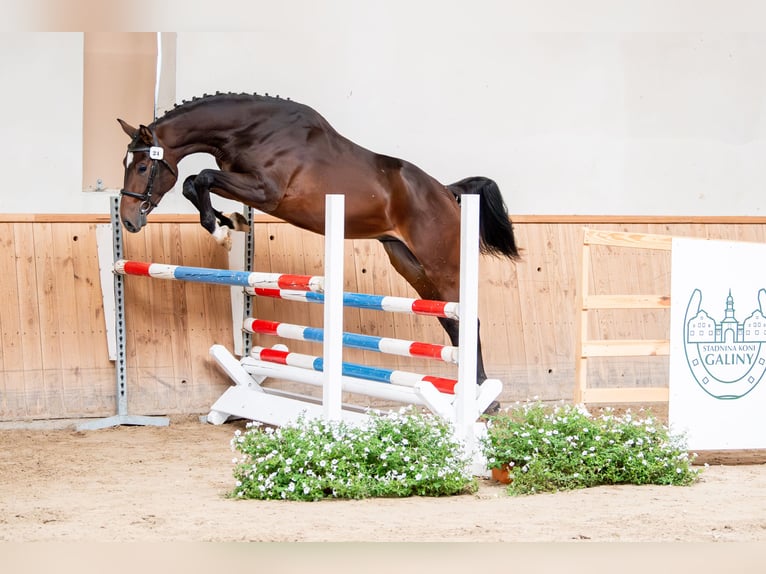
(146,135)
(127,128)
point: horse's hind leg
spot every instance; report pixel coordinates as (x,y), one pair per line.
(409,267)
(452,328)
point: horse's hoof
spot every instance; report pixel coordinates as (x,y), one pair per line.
(223,237)
(239,221)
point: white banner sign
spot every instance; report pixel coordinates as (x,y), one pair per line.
(718,344)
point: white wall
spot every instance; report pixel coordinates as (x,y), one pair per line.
(41,122)
(587,108)
(588,123)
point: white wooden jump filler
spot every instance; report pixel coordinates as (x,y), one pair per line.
(460,401)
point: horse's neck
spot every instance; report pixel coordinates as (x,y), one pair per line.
(185,134)
(200,129)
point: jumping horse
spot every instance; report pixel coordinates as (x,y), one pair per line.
(282,157)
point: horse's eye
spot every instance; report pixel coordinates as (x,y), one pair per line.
(141,169)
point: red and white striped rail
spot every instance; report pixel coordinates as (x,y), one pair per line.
(385,345)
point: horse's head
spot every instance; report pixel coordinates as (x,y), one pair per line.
(149,175)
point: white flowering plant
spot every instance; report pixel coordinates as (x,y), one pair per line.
(393,454)
(563,447)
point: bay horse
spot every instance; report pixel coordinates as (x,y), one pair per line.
(282,157)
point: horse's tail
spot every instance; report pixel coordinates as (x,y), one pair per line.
(495,227)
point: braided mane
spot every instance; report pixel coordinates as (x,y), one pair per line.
(187,105)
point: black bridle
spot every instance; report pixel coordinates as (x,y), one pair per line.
(157,155)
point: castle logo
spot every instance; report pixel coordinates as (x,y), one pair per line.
(726,358)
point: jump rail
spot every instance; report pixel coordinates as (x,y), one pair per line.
(378,374)
(386,345)
(303,288)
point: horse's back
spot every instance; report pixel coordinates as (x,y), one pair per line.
(307,158)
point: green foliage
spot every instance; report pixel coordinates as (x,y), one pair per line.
(392,455)
(563,447)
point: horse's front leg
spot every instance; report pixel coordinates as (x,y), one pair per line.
(215,222)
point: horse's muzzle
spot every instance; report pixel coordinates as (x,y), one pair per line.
(130,226)
(135,223)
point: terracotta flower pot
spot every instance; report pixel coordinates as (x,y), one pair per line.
(502,474)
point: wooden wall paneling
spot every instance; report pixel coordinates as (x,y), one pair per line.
(47,276)
(531,291)
(194,295)
(66,298)
(140,306)
(532,288)
(546,313)
(556,321)
(137,295)
(751,233)
(502,299)
(12,384)
(191,381)
(177,343)
(562,271)
(220,328)
(158,379)
(97,373)
(53,347)
(163,388)
(207,307)
(31,337)
(500,325)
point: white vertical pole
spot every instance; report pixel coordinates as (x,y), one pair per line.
(466,414)
(333,305)
(158,75)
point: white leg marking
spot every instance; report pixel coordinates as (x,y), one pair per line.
(223,236)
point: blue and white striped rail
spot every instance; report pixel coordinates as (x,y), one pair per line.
(378,374)
(446,309)
(354,340)
(220,276)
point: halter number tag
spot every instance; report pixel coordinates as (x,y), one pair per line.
(156,152)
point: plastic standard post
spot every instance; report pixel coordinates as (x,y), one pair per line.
(466,413)
(333,305)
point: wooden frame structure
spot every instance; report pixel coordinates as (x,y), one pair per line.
(586,301)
